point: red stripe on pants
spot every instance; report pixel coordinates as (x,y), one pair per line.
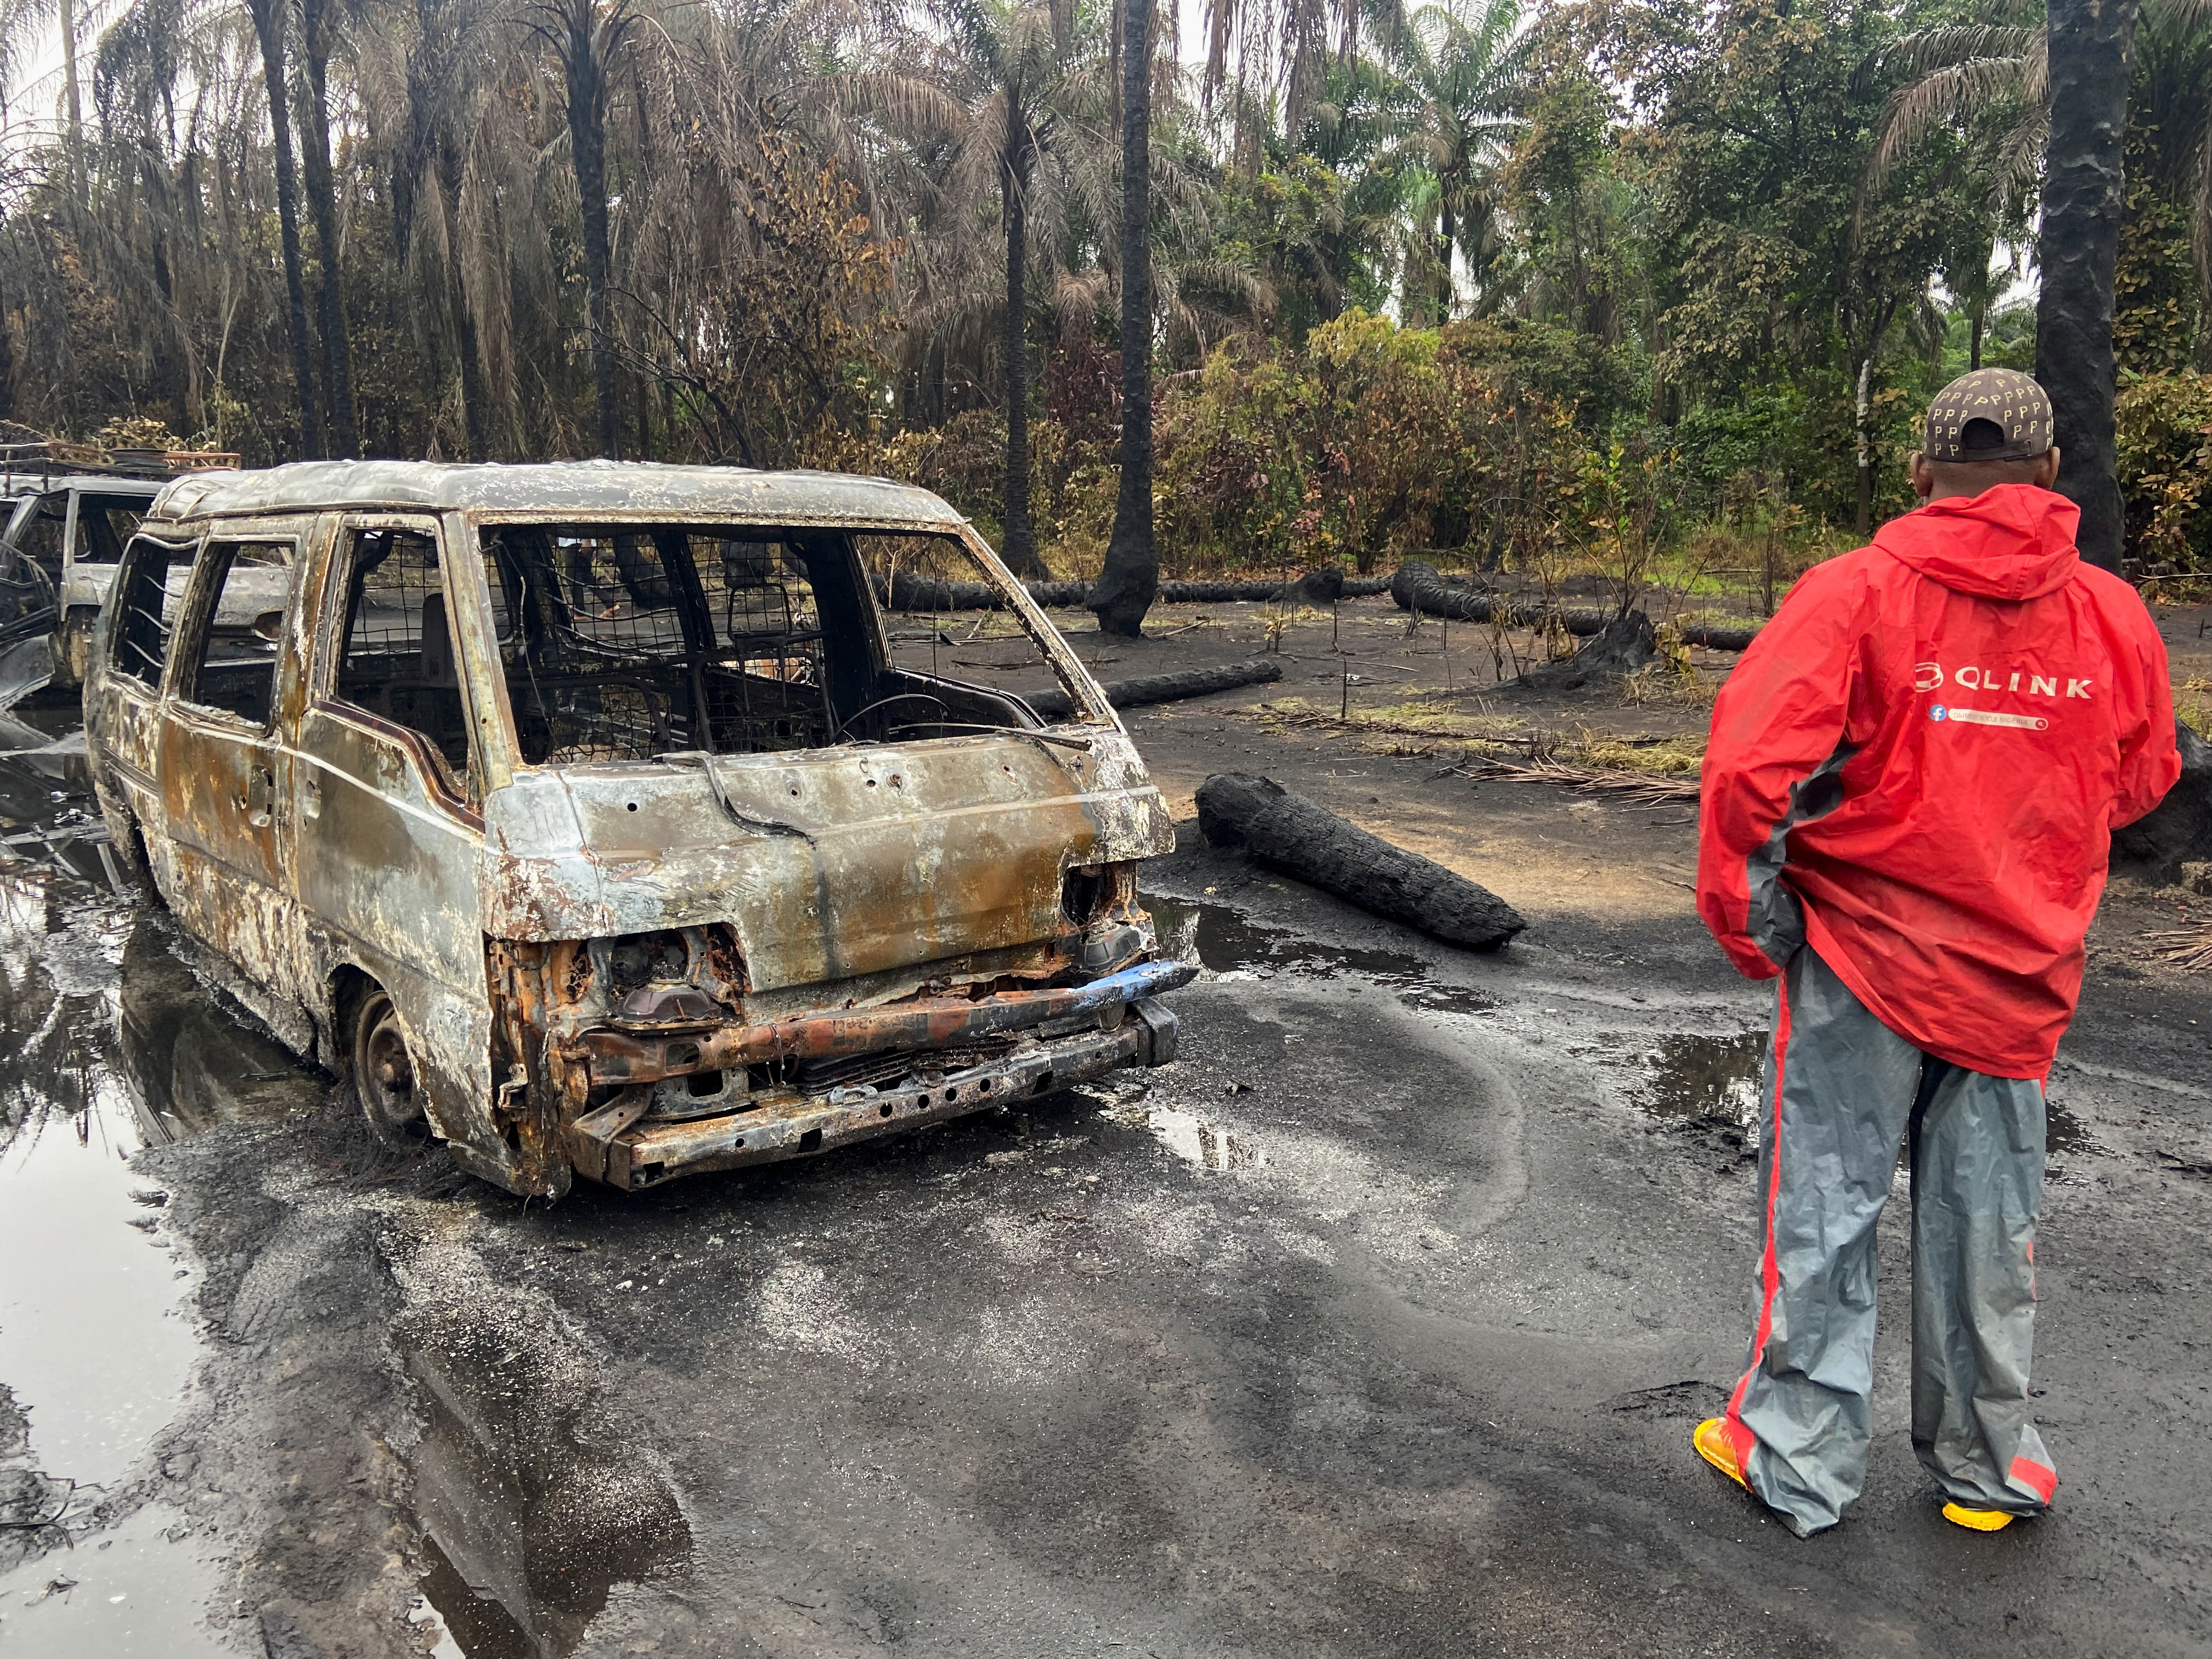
(2039,1477)
(1769,1269)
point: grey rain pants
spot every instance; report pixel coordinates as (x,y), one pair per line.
(1840,1091)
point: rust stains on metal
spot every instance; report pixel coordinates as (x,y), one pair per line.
(609,779)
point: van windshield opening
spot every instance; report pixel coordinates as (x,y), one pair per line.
(621,642)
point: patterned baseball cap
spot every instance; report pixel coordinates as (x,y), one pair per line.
(2010,401)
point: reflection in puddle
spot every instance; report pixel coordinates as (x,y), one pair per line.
(1194,1141)
(532,1509)
(1223,939)
(1705,1077)
(107,1044)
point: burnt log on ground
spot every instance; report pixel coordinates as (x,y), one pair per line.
(2179,830)
(1321,586)
(1167,688)
(1625,644)
(1417,587)
(1299,838)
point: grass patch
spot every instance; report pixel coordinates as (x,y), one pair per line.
(2192,701)
(1666,758)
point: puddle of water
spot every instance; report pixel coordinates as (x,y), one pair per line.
(1688,1077)
(465,1622)
(107,1044)
(138,1594)
(1226,941)
(1194,1141)
(2063,1131)
(1693,1077)
(529,1521)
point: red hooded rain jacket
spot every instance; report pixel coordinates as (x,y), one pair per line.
(1917,767)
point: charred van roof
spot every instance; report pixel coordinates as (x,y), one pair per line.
(583,488)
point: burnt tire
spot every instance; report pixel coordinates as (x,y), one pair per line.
(385,1075)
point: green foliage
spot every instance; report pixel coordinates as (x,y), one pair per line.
(2165,423)
(1534,279)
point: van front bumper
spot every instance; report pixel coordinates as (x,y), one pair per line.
(618,1057)
(612,1145)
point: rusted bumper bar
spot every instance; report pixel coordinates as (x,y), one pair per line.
(652,1152)
(620,1057)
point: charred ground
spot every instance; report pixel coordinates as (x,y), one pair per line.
(1377,1325)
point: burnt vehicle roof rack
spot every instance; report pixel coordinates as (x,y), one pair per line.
(27,466)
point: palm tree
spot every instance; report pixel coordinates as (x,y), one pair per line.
(1022,90)
(2088,43)
(2069,79)
(269,20)
(1462,68)
(1132,573)
(586,36)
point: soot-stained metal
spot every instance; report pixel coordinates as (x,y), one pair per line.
(597,820)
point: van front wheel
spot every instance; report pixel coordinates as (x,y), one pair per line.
(383,1069)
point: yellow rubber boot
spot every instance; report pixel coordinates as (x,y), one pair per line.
(1710,1437)
(1974,1520)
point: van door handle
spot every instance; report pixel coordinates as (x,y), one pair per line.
(260,796)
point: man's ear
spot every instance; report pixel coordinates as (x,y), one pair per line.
(2046,475)
(1922,474)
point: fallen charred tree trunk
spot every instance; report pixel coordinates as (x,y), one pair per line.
(2179,828)
(927,593)
(1321,586)
(1167,688)
(1291,834)
(1417,587)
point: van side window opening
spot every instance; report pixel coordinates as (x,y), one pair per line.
(102,528)
(236,669)
(152,587)
(40,537)
(396,660)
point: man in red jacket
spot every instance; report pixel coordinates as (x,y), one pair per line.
(1913,779)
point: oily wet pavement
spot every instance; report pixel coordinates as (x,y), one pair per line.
(1376,1325)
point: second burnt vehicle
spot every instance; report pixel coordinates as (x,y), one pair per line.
(66,511)
(598,818)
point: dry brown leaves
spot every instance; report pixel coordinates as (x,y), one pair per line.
(2190,948)
(1643,788)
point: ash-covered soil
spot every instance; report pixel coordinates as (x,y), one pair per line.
(1375,1326)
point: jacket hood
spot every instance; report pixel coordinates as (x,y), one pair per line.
(2013,541)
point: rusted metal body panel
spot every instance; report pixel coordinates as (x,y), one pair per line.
(629,968)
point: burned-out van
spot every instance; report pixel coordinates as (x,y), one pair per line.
(600,817)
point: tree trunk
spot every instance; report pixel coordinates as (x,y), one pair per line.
(1131,577)
(1019,540)
(449,165)
(587,145)
(269,29)
(1291,834)
(2090,44)
(1167,687)
(1447,232)
(315,158)
(1978,317)
(1862,422)
(72,107)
